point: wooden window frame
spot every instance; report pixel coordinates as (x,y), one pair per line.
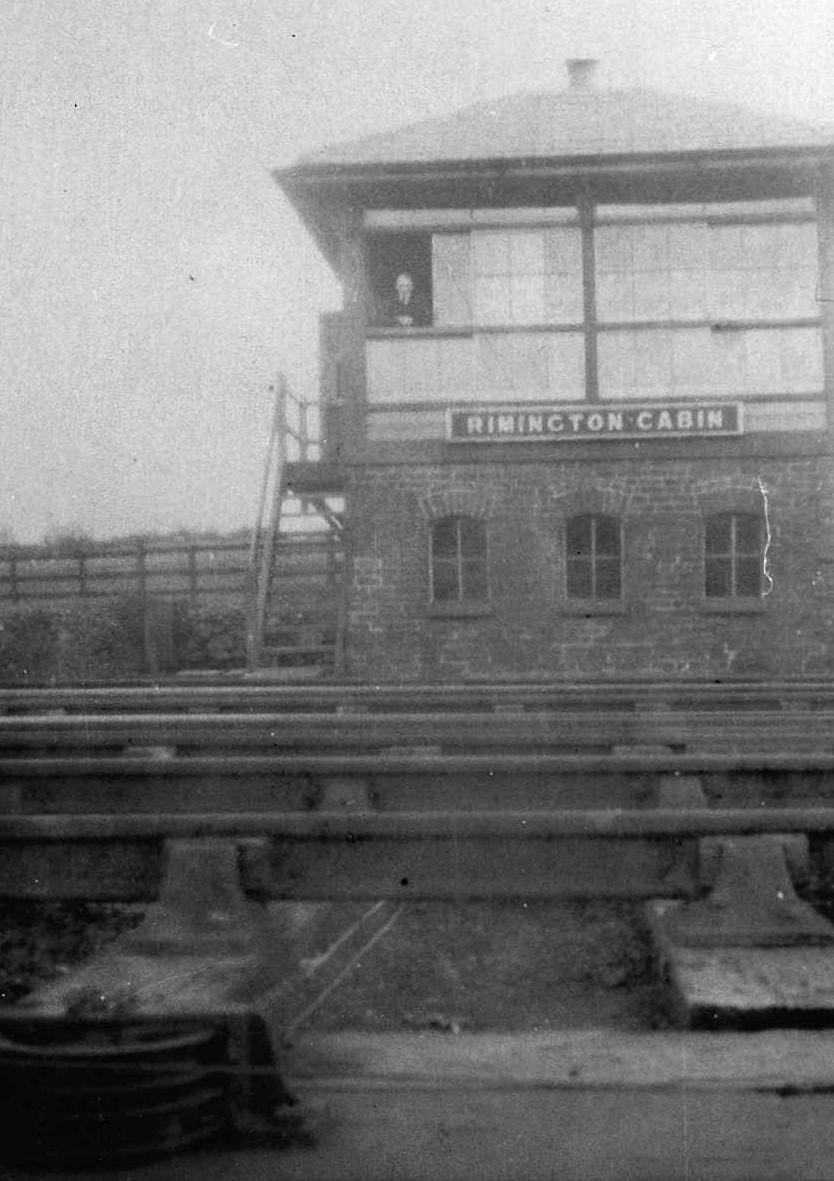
(733,555)
(587,222)
(592,560)
(381,249)
(460,604)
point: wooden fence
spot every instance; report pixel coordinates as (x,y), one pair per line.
(167,569)
(205,570)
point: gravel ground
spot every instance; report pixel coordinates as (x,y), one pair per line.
(40,941)
(502,966)
(477,966)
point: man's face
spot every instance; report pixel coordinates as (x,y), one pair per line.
(405,287)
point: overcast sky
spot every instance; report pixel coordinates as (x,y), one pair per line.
(154,280)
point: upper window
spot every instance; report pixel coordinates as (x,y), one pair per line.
(400,274)
(594,557)
(458,560)
(733,556)
(529,276)
(704,268)
(697,300)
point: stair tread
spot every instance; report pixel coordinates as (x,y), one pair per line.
(303,597)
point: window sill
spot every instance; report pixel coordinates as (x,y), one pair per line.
(464,610)
(593,607)
(735,606)
(394,331)
(388,331)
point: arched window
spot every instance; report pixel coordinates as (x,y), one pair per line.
(458,560)
(733,555)
(594,557)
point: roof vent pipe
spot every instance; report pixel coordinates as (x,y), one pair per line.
(582,73)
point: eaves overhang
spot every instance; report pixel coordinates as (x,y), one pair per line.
(321,192)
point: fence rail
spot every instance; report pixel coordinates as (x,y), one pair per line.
(197,570)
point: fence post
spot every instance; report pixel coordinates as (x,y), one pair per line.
(192,572)
(340,653)
(82,576)
(149,651)
(332,584)
(142,570)
(13,587)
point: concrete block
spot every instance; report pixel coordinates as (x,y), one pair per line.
(743,987)
(752,902)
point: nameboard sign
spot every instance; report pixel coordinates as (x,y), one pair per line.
(656,420)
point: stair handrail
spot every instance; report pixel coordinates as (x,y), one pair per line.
(289,442)
(263,534)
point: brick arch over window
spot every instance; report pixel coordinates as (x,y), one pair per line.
(605,502)
(457,502)
(738,498)
(735,524)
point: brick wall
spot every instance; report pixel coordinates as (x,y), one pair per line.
(665,628)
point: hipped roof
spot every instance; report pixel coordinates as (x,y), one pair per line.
(574,123)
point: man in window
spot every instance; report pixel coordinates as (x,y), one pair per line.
(408,306)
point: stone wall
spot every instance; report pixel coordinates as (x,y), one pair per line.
(665,626)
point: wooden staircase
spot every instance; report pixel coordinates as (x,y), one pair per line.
(297,603)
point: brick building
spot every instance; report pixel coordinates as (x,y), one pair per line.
(579,396)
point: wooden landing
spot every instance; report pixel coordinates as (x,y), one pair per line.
(571,1105)
(315,476)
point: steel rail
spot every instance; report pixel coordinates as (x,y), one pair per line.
(239,694)
(545,713)
(144,765)
(359,827)
(576,728)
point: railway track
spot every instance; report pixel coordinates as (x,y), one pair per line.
(241,694)
(209,800)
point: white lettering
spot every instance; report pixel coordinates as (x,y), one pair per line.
(512,422)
